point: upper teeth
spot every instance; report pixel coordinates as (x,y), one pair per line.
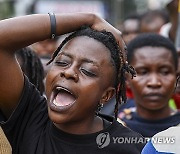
(62,88)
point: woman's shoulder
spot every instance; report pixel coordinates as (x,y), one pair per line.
(118,127)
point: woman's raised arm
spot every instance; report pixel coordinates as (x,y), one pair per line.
(19,32)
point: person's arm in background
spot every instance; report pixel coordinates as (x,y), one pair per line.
(164,142)
(172,8)
(18,32)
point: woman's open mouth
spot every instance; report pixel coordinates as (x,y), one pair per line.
(62,99)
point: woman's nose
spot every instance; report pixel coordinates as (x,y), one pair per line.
(154,81)
(70,74)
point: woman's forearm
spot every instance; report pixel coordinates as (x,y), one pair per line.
(23,31)
(18,32)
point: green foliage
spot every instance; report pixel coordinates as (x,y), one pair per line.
(6,9)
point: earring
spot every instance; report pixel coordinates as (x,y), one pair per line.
(99,107)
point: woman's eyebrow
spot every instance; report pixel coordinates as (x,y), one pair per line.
(90,61)
(66,54)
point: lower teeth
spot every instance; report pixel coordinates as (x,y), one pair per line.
(54,102)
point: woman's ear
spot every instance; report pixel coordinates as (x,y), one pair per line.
(177,80)
(128,84)
(128,78)
(108,94)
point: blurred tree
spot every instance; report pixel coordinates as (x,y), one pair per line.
(141,6)
(6,8)
(121,9)
(130,7)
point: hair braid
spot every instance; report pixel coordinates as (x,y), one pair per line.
(32,67)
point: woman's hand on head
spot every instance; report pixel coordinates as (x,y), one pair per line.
(101,24)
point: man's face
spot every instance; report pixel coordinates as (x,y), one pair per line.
(156,77)
(130,30)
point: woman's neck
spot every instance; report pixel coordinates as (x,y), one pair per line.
(82,127)
(154,114)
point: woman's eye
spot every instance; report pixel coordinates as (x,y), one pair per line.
(164,72)
(61,63)
(142,72)
(88,73)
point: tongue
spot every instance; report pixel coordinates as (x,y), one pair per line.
(64,98)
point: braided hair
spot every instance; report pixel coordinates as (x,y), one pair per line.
(32,67)
(117,58)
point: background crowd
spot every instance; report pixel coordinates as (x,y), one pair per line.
(153,50)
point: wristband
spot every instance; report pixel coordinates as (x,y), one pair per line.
(53,25)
